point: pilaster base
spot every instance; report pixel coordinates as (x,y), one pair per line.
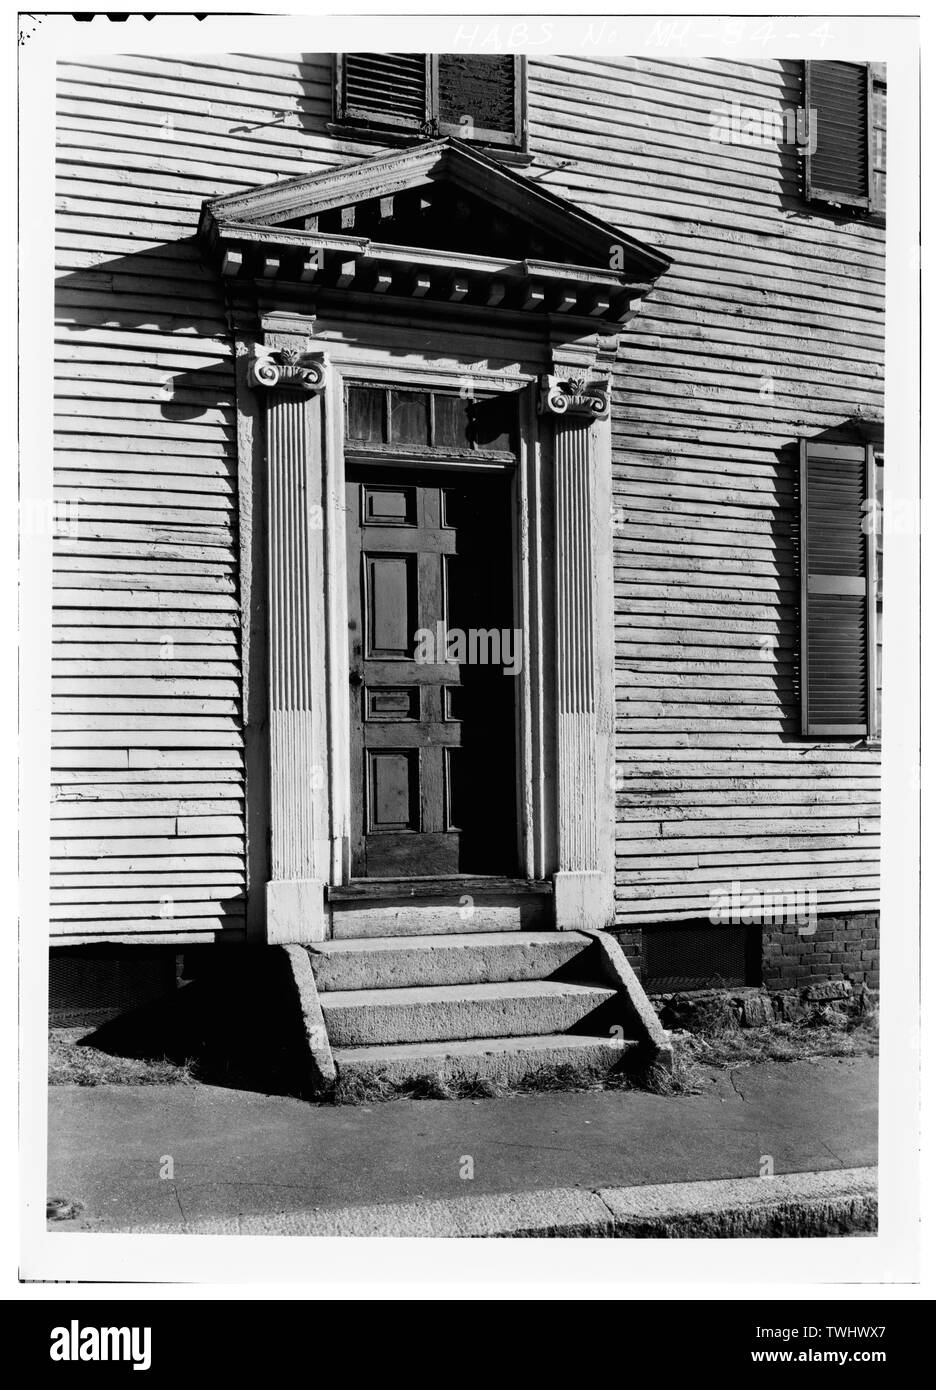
(583,899)
(295,911)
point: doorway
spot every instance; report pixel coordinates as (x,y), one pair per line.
(434,661)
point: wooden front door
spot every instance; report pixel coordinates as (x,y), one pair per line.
(432,716)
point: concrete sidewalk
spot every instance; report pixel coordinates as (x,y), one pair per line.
(238,1160)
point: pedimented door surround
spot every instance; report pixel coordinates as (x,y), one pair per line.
(301,347)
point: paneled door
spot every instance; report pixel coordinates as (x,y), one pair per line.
(433,667)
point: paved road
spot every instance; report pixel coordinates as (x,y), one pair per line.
(235,1153)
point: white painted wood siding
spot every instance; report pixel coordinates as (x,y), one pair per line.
(769,325)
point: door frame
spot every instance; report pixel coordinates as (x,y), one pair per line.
(563,581)
(363,367)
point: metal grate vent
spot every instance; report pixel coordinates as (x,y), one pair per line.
(700,956)
(89,985)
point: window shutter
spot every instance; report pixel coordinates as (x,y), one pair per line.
(878,137)
(838,100)
(878,589)
(384,89)
(480,97)
(472,96)
(837,597)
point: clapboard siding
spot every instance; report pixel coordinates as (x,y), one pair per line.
(148,820)
(768,326)
(149,811)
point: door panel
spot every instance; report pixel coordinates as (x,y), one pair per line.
(432,731)
(390,604)
(389,506)
(392,784)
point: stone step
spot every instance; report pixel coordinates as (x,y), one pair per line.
(451,914)
(370,1017)
(507,1061)
(401,962)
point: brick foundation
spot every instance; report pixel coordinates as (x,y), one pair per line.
(846,947)
(630,939)
(841,947)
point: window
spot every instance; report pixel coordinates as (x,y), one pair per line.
(845,161)
(382,417)
(472,96)
(838,591)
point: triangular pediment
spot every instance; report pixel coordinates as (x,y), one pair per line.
(419,217)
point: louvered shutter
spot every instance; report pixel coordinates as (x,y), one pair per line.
(480,97)
(838,100)
(837,599)
(384,90)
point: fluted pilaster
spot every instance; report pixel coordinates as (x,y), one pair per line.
(291,382)
(583,883)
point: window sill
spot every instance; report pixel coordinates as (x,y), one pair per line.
(370,135)
(846,212)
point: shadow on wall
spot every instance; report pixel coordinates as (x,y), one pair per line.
(309,111)
(170,291)
(165,290)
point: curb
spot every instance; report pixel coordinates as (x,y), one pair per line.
(837,1202)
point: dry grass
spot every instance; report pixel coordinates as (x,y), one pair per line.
(75,1063)
(355,1090)
(681,1078)
(791,1042)
(717,1040)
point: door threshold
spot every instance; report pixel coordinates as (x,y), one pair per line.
(442,886)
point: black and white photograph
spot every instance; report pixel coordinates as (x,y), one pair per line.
(469,752)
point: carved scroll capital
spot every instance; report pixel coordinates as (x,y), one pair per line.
(576,395)
(287,369)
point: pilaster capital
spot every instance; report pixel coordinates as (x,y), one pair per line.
(287,369)
(565,394)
